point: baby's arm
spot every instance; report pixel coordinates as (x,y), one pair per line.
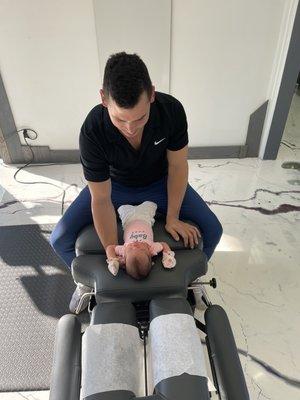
(168,258)
(112,259)
(110,251)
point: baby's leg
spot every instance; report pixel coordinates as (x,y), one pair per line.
(146,211)
(125,212)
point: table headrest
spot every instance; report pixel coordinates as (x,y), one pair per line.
(91,270)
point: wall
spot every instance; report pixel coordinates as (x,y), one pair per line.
(136,26)
(49,65)
(222,58)
(216,57)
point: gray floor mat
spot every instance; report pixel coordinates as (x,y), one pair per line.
(35,290)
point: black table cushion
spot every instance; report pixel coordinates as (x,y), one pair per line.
(88,241)
(92,271)
(90,268)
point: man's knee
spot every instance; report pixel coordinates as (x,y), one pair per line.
(57,241)
(53,240)
(212,238)
(218,230)
(214,232)
(62,247)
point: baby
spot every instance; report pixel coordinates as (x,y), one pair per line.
(135,255)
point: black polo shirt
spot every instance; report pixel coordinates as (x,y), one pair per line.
(105,153)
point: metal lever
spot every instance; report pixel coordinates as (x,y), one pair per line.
(212,282)
(198,282)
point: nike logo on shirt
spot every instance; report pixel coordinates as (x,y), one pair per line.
(159,141)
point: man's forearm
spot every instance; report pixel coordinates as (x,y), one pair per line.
(177,184)
(105,223)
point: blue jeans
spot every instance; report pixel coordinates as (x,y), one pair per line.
(79,214)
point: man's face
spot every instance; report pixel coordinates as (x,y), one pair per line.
(129,121)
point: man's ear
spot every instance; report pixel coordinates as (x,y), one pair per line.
(152,98)
(103,98)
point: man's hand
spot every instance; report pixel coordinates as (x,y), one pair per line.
(189,233)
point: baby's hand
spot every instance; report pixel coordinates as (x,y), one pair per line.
(168,259)
(113,265)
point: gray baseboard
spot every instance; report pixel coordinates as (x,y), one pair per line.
(217,152)
(43,154)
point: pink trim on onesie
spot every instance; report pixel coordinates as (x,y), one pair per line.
(139,231)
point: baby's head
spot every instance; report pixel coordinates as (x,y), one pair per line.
(138,259)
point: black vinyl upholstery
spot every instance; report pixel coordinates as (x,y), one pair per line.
(224,353)
(90,268)
(66,368)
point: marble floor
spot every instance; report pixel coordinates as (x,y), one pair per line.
(256,264)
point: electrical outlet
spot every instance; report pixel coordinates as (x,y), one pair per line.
(25,134)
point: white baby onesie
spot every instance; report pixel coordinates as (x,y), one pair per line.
(145,212)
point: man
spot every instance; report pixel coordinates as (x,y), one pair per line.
(133,148)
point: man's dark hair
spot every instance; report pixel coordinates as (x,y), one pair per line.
(125,78)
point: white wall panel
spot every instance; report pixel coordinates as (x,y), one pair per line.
(136,26)
(49,65)
(222,59)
